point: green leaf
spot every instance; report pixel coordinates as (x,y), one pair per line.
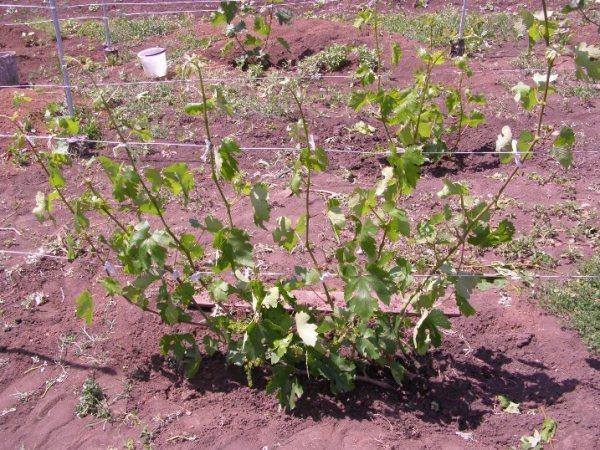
(549,427)
(169,311)
(337,369)
(562,149)
(184,350)
(261,26)
(363,17)
(283,16)
(365,74)
(316,159)
(307,331)
(19,99)
(397,225)
(359,291)
(396,54)
(287,386)
(283,43)
(508,406)
(295,182)
(234,247)
(226,164)
(195,109)
(362,201)
(359,100)
(367,343)
(284,235)
(336,216)
(68,125)
(453,189)
(85,306)
(426,331)
(189,242)
(398,371)
(259,197)
(55,177)
(211,345)
(225,13)
(234,29)
(464,284)
(484,237)
(587,59)
(526,95)
(531,442)
(222,102)
(212,224)
(252,41)
(179,179)
(81,221)
(407,169)
(44,205)
(474,119)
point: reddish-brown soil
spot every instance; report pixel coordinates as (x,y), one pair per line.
(513,349)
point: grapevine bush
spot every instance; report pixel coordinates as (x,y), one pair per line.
(355,339)
(252,40)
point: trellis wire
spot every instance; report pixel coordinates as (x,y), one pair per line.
(47,137)
(13,6)
(525,276)
(145,13)
(191,2)
(222,79)
(152,13)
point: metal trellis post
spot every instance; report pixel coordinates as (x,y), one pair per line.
(61,57)
(458,47)
(107,39)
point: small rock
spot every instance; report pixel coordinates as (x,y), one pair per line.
(524,340)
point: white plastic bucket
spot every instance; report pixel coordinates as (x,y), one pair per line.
(154,61)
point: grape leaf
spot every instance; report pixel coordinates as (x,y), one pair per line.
(85,306)
(307,331)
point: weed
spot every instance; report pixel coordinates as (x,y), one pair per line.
(83,123)
(146,108)
(367,56)
(584,91)
(125,31)
(525,249)
(537,440)
(331,59)
(92,401)
(528,62)
(577,301)
(440,28)
(34,299)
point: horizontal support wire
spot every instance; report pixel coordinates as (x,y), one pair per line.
(76,140)
(174,81)
(145,13)
(192,2)
(516,277)
(13,6)
(218,80)
(148,13)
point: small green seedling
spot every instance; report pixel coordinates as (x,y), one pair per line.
(92,401)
